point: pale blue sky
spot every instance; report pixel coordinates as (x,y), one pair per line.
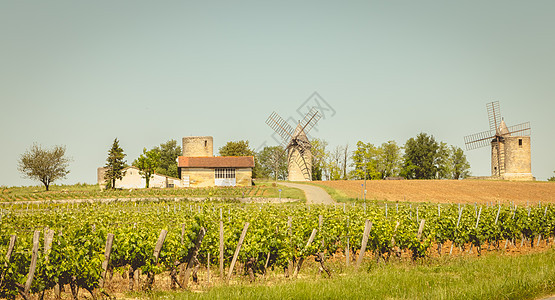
(80,73)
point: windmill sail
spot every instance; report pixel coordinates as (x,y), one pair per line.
(297,144)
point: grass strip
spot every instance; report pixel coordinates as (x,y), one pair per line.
(494,276)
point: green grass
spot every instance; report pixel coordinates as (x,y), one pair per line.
(495,276)
(335,194)
(86,191)
(272,190)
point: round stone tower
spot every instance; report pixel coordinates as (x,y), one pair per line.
(299,158)
(198,146)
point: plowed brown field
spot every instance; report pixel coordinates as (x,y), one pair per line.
(448,191)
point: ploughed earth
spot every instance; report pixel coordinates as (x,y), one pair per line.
(448,191)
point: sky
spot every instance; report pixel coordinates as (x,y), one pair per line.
(81,73)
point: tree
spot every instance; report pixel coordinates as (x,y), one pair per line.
(389,159)
(459,166)
(421,157)
(334,163)
(115,164)
(241,148)
(169,152)
(273,163)
(147,164)
(44,165)
(443,162)
(365,161)
(319,157)
(551,178)
(345,160)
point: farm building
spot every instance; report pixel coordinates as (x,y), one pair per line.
(199,168)
(196,168)
(133,180)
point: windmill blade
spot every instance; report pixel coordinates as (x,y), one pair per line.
(310,119)
(494,115)
(302,146)
(520,129)
(479,140)
(280,126)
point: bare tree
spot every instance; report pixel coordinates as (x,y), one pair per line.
(334,163)
(345,160)
(44,165)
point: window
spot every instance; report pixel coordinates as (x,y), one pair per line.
(224,173)
(520,143)
(205,143)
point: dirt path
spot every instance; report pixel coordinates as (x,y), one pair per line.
(314,194)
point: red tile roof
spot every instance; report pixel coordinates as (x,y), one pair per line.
(216,162)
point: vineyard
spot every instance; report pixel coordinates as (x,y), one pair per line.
(77,249)
(15,194)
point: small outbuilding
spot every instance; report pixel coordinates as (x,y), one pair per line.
(133,180)
(199,168)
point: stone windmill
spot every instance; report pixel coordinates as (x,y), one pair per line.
(510,146)
(295,141)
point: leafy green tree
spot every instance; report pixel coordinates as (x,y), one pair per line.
(44,165)
(459,166)
(389,159)
(552,178)
(365,161)
(319,157)
(442,161)
(273,163)
(169,152)
(421,157)
(241,148)
(147,164)
(115,164)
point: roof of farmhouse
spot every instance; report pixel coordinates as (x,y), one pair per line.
(216,162)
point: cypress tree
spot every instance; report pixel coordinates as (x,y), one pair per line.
(115,164)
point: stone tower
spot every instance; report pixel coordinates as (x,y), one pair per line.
(299,157)
(512,161)
(198,146)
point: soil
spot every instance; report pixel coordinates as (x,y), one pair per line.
(448,191)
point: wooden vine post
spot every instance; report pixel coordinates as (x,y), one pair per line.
(48,238)
(347,246)
(236,254)
(289,234)
(367,228)
(300,263)
(221,246)
(193,256)
(420,229)
(182,266)
(107,252)
(156,254)
(11,246)
(33,265)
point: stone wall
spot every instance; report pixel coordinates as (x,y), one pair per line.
(497,166)
(198,146)
(198,177)
(518,164)
(299,168)
(204,177)
(243,177)
(515,160)
(517,154)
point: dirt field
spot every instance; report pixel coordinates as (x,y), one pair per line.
(448,191)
